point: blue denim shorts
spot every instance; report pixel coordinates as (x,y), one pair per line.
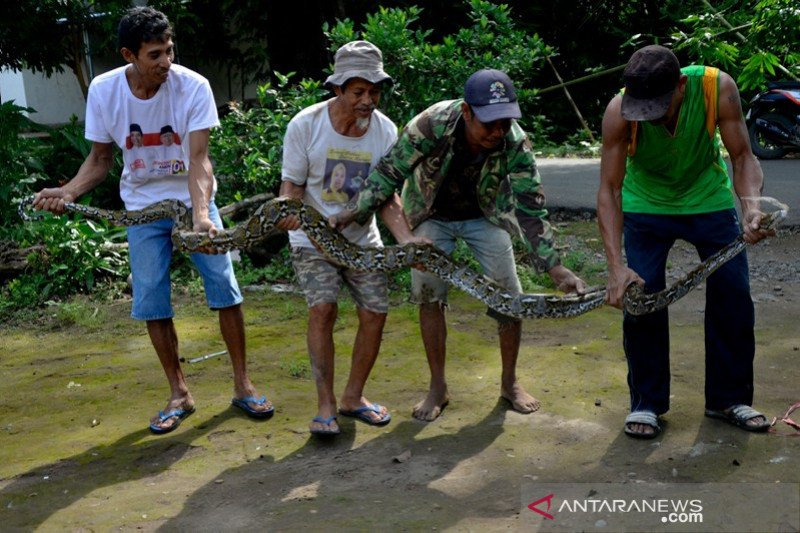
(150,249)
(491,246)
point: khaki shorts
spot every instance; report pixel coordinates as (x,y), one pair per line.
(322,280)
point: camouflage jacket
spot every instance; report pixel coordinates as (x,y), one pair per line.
(509,189)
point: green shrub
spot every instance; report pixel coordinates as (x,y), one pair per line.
(426,72)
(21,161)
(30,164)
(248,147)
(74,258)
(77,313)
(279,270)
(76,254)
(68,150)
(763,48)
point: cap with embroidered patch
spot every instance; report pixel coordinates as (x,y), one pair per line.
(491,95)
(651,77)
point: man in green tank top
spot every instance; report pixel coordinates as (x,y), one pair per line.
(663,178)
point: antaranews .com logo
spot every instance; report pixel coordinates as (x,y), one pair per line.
(671,511)
(654,506)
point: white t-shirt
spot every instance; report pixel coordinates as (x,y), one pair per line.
(152,170)
(333,167)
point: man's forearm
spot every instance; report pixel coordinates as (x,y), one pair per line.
(748,181)
(395,219)
(292,190)
(201,175)
(91,173)
(201,186)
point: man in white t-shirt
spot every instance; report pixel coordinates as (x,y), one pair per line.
(328,150)
(129,106)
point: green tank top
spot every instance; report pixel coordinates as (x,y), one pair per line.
(684,173)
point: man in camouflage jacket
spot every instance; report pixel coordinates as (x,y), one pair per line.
(509,191)
(467,170)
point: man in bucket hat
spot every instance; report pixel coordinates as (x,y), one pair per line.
(467,170)
(663,178)
(332,146)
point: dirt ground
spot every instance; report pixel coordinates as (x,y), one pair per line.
(75,452)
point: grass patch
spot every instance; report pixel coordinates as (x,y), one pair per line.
(296,368)
(77,313)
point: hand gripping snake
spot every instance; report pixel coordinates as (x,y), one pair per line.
(423,256)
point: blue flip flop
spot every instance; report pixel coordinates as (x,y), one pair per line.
(326,422)
(162,417)
(361,414)
(242,403)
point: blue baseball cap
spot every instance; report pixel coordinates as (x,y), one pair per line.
(491,95)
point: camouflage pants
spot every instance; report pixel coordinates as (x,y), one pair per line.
(322,280)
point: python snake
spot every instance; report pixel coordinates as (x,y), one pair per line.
(341,251)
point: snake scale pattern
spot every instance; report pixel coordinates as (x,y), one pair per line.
(341,251)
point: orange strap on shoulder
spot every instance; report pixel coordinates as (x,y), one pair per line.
(632,143)
(711,96)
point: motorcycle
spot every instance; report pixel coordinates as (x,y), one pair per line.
(773,120)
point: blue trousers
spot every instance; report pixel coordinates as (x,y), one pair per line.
(729,314)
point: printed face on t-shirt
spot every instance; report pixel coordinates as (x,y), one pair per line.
(345,171)
(136,138)
(156,154)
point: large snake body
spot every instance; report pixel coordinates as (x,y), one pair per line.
(424,256)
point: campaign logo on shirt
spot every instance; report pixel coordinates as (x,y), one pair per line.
(345,172)
(154,153)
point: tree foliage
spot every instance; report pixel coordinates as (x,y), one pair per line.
(754,41)
(22,161)
(48,35)
(428,50)
(247,148)
(427,70)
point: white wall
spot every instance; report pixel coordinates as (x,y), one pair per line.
(56,98)
(12,87)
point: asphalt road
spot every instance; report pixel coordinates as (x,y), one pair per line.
(572,183)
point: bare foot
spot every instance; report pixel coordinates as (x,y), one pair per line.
(521,401)
(183,406)
(431,407)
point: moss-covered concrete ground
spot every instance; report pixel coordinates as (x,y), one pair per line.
(77,391)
